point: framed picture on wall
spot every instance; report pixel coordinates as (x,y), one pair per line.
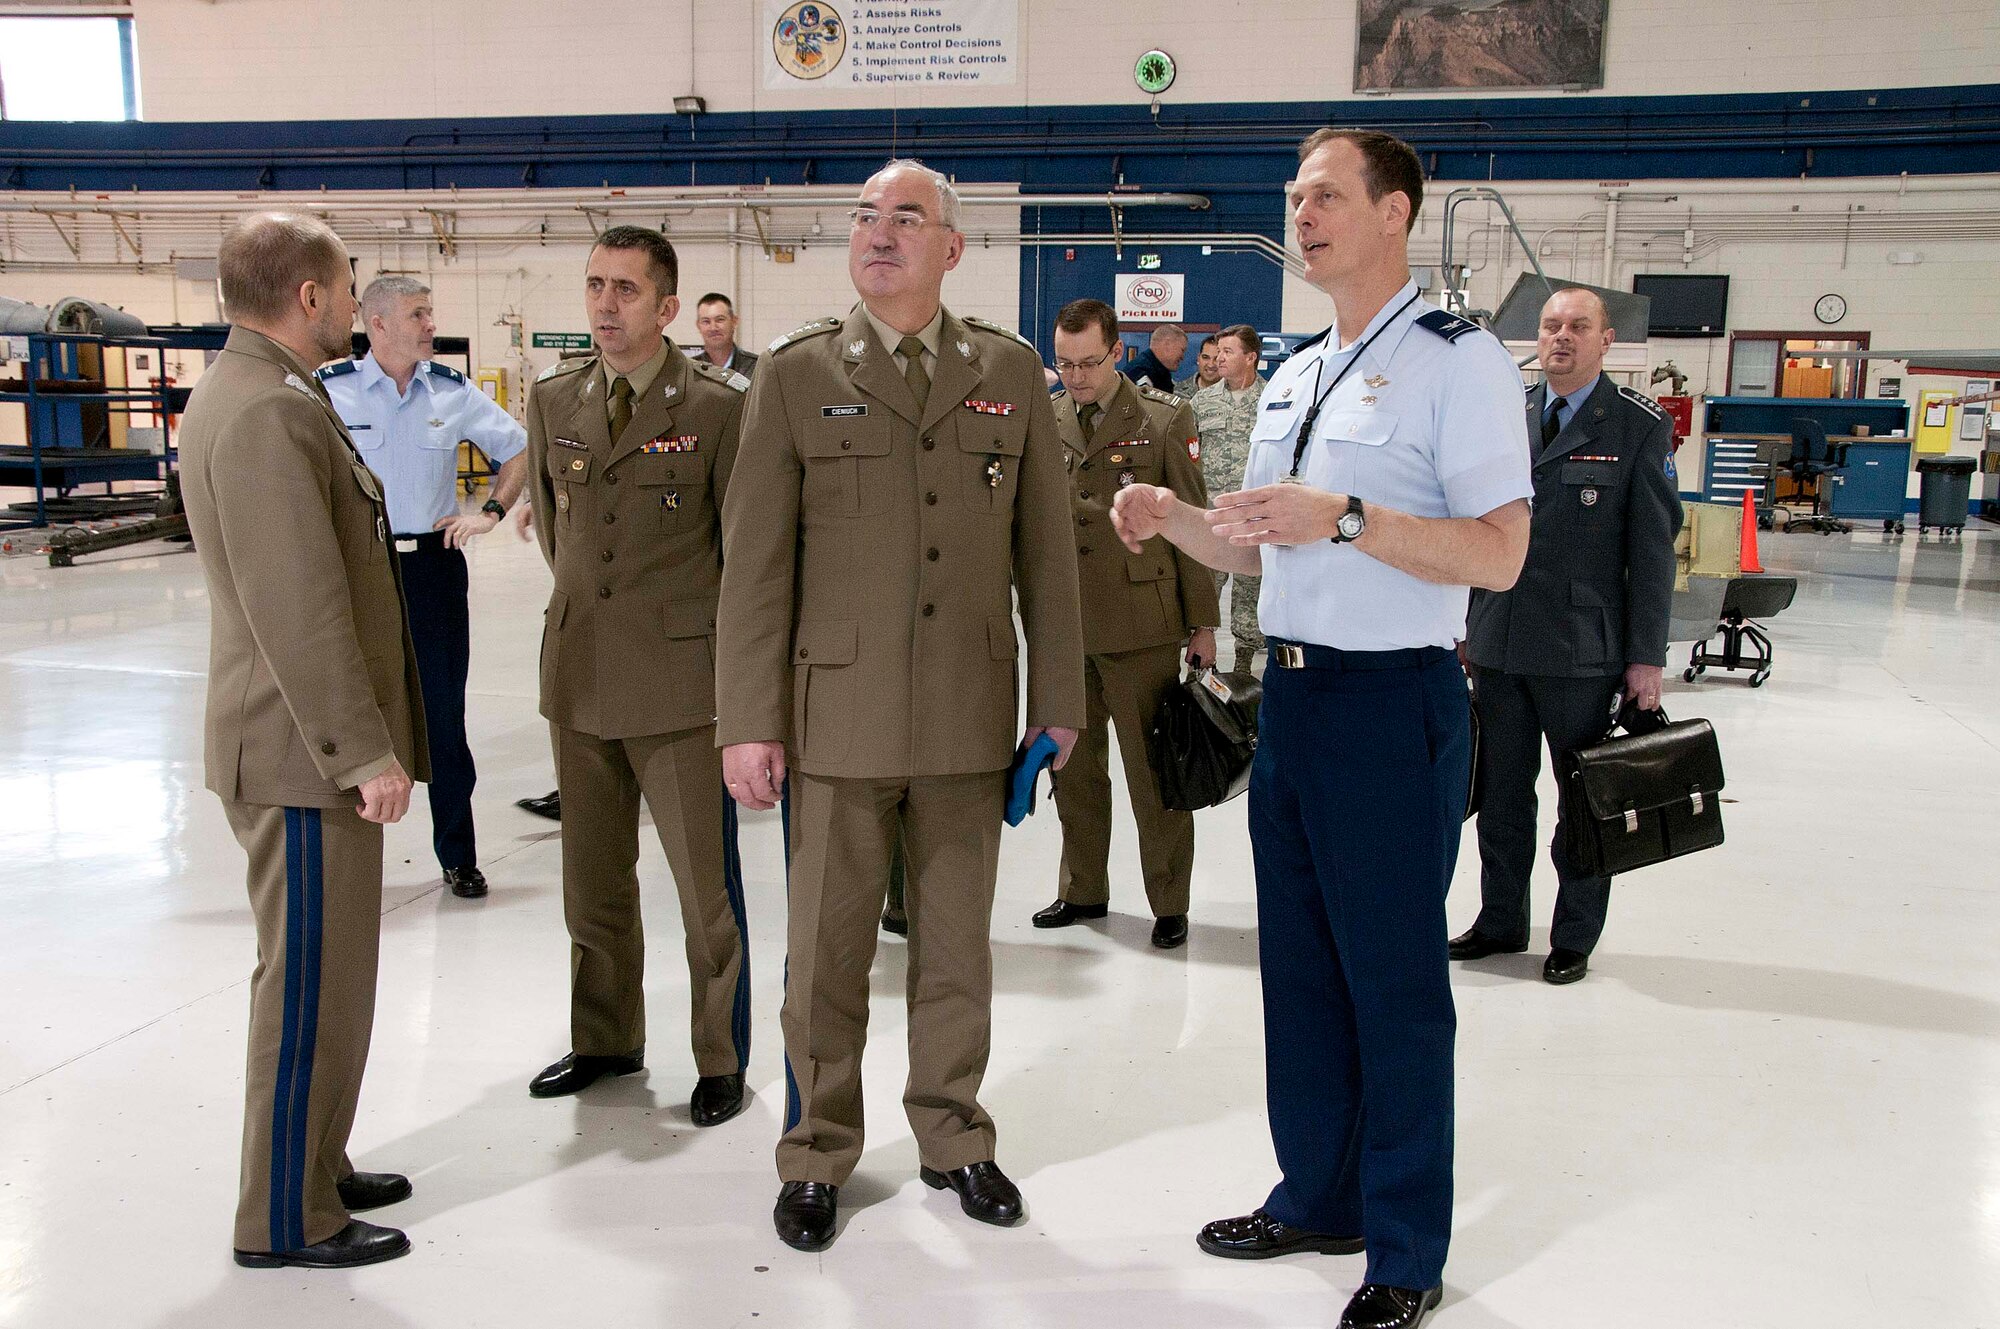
(1438,45)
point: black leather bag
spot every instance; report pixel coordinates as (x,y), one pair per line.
(1643,798)
(1203,739)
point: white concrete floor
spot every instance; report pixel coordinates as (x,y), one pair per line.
(1774,1102)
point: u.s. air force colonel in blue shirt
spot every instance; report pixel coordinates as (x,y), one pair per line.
(407,416)
(1388,473)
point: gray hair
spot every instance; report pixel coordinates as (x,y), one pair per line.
(946,192)
(1167,333)
(382,293)
(267,256)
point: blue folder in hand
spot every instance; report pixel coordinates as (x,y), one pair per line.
(1021,777)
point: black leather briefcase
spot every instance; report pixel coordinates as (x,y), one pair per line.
(1643,797)
(1204,738)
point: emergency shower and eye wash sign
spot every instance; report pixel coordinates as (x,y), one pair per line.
(890,43)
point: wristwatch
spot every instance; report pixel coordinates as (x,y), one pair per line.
(1352,522)
(494,506)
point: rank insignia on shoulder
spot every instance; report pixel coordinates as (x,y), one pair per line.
(568,366)
(570,443)
(812,329)
(445,372)
(335,370)
(671,500)
(990,407)
(738,381)
(679,443)
(294,381)
(1448,326)
(995,327)
(1642,401)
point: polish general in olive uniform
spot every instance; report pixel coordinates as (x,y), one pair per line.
(630,452)
(900,481)
(315,728)
(1139,612)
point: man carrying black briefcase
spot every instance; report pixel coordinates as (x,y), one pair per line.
(1585,625)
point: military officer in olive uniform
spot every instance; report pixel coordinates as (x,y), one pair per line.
(1225,412)
(630,451)
(315,728)
(1139,611)
(900,482)
(1585,624)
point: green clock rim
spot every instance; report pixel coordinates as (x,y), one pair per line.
(1140,79)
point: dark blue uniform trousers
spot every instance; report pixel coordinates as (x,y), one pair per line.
(1356,798)
(1517,712)
(441,627)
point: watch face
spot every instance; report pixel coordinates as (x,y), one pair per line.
(1830,309)
(1351,525)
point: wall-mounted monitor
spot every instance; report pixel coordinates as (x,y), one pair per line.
(1685,304)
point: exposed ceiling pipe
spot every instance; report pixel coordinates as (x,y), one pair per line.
(1639,190)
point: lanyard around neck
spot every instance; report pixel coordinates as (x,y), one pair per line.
(1319,398)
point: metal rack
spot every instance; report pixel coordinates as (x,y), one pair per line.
(46,462)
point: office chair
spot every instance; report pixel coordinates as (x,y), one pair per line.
(1814,457)
(1747,598)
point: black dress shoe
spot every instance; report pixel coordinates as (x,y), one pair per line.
(804,1216)
(465,883)
(577,1071)
(1062,913)
(362,1191)
(1379,1306)
(896,922)
(356,1244)
(1476,945)
(1258,1236)
(1565,966)
(716,1099)
(983,1190)
(1169,931)
(548,805)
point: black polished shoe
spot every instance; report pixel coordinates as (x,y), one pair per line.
(716,1099)
(548,805)
(983,1190)
(356,1244)
(1258,1236)
(804,1216)
(1379,1306)
(896,922)
(1062,913)
(1476,945)
(362,1191)
(1564,966)
(466,883)
(1170,931)
(577,1071)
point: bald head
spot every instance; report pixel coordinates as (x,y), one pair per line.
(1574,336)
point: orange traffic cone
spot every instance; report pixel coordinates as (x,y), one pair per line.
(1748,560)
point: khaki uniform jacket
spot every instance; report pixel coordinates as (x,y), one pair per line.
(874,552)
(743,362)
(1159,595)
(311,673)
(632,531)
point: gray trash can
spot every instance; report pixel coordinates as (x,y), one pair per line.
(1944,493)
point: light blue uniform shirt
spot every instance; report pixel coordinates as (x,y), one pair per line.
(410,439)
(1570,404)
(1424,425)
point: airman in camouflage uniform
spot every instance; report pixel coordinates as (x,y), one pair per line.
(1224,413)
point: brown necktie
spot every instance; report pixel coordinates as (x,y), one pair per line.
(1087,417)
(621,405)
(912,351)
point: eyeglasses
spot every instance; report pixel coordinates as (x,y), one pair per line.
(1073,366)
(902,223)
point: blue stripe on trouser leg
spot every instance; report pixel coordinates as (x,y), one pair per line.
(732,885)
(304,892)
(792,1107)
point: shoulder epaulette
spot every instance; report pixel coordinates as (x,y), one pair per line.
(1307,343)
(728,378)
(1448,326)
(818,327)
(336,369)
(1642,401)
(985,325)
(445,372)
(566,366)
(1168,398)
(1058,395)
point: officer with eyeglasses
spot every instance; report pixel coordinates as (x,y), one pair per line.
(1388,474)
(899,483)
